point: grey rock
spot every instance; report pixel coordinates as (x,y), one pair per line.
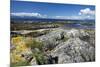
(52,39)
(74,50)
(33,62)
(79,47)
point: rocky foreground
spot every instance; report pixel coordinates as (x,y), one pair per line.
(60,46)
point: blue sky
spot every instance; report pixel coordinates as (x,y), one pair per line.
(48,10)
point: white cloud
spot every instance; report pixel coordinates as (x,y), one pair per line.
(23,14)
(78,17)
(87,11)
(68,17)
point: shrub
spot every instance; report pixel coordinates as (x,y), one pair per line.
(40,58)
(21,63)
(23,44)
(16,40)
(32,43)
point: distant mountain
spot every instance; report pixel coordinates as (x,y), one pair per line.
(38,19)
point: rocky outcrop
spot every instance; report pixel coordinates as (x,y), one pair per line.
(74,50)
(58,46)
(52,39)
(75,45)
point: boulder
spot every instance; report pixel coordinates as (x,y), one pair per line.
(74,50)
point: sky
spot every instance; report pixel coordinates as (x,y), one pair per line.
(51,10)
